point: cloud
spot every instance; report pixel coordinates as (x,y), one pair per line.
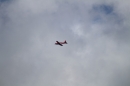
(97,53)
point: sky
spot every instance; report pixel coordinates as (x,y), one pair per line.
(98,49)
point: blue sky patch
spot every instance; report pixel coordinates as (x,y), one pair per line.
(106,9)
(4,0)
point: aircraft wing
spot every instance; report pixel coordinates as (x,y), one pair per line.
(59,43)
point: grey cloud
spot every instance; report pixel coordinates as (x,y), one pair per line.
(97,53)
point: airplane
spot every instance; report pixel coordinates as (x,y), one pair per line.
(60,43)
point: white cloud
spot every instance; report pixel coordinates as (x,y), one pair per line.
(97,53)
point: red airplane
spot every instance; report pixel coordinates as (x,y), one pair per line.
(60,43)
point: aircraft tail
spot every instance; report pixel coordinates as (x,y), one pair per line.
(65,42)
